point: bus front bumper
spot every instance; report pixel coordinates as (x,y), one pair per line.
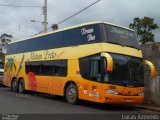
(120,99)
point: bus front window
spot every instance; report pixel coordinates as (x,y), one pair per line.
(127,71)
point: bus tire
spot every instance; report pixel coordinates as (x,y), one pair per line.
(21,86)
(71,94)
(14,85)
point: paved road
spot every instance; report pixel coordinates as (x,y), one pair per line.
(37,103)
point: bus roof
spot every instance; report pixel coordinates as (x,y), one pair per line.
(71,27)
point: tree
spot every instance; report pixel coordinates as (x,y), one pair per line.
(5,39)
(144,28)
(2,57)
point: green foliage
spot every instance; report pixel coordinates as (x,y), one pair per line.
(2,57)
(144,28)
(5,39)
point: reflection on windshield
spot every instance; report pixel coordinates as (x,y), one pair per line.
(120,36)
(127,70)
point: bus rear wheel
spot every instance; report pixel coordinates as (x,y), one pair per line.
(21,86)
(71,94)
(14,85)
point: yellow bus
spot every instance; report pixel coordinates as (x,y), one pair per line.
(96,61)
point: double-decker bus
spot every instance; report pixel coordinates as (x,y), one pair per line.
(95,61)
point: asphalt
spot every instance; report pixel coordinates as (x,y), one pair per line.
(40,106)
(39,103)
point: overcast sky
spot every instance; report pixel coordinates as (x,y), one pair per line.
(16,21)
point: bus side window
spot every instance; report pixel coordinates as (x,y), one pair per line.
(60,68)
(27,66)
(47,68)
(95,73)
(35,67)
(84,67)
(64,70)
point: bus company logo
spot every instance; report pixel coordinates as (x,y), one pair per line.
(85,31)
(90,37)
(46,55)
(36,56)
(89,34)
(123,32)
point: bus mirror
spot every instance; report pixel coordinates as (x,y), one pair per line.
(152,68)
(109,63)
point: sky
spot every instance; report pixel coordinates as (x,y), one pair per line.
(17,21)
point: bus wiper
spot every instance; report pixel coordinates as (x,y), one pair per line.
(123,83)
(133,47)
(110,82)
(115,43)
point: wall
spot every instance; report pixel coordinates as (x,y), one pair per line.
(151,52)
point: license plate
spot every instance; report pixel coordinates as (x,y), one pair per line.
(128,100)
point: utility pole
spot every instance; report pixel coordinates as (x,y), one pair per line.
(45,16)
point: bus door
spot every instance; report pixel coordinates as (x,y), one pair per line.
(98,77)
(90,68)
(95,82)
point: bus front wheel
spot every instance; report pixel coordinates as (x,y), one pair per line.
(14,85)
(71,94)
(21,87)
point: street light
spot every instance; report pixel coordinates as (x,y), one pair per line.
(38,21)
(44,23)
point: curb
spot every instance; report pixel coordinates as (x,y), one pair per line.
(147,108)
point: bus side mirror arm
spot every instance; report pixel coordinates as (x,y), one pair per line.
(152,68)
(109,63)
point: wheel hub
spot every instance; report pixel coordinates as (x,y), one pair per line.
(71,93)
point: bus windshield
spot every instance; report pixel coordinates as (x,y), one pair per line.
(120,36)
(127,71)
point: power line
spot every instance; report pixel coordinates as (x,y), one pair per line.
(79,12)
(73,14)
(6,8)
(17,5)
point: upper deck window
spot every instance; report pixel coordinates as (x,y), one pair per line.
(88,34)
(120,36)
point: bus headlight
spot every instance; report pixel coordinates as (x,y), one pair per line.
(112,92)
(141,94)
